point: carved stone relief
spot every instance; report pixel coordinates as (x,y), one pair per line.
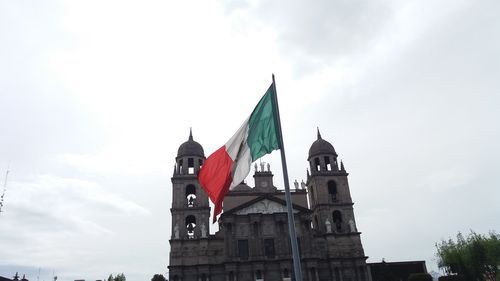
(264,207)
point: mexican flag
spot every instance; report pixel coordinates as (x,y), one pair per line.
(229,165)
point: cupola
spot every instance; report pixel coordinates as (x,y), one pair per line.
(322,156)
(190,157)
(320,146)
(190,148)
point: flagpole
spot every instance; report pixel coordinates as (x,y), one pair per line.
(291,222)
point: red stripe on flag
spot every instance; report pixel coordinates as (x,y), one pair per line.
(215,177)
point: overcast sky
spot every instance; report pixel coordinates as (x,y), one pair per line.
(96,97)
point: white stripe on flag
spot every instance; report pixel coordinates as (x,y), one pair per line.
(242,167)
(237,148)
(233,144)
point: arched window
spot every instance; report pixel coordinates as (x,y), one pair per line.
(190,166)
(190,226)
(269,248)
(317,166)
(286,274)
(258,275)
(332,190)
(203,277)
(243,249)
(231,276)
(191,195)
(337,274)
(328,165)
(337,220)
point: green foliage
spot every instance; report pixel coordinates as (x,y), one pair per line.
(110,278)
(475,257)
(120,277)
(158,277)
(420,277)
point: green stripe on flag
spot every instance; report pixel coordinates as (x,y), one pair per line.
(262,131)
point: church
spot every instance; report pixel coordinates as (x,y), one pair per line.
(252,242)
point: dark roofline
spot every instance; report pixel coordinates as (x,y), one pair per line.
(396,262)
(253,192)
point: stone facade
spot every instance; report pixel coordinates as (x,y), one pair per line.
(252,242)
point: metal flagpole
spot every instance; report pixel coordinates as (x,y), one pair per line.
(291,222)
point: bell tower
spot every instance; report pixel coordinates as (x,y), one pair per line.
(333,213)
(328,190)
(190,209)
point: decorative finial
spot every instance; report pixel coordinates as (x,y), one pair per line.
(319,134)
(190,134)
(342,166)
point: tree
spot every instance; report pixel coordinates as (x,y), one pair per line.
(476,257)
(120,277)
(158,277)
(110,278)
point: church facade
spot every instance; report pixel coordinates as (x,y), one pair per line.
(252,242)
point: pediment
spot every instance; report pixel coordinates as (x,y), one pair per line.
(264,206)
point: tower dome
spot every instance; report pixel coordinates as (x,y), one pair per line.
(321,146)
(190,148)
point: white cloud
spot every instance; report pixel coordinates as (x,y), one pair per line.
(51,217)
